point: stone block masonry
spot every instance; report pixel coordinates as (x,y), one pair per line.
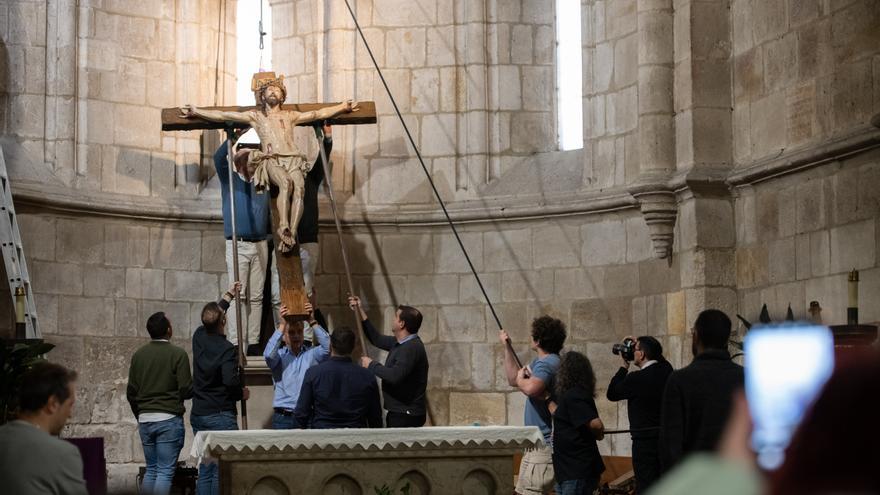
(804,255)
(121,220)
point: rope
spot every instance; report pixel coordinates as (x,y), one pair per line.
(425,169)
(262,34)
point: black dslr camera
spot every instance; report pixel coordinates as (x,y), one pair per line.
(626,350)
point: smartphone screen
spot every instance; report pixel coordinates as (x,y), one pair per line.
(786,366)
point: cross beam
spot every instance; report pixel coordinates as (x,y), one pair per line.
(173,121)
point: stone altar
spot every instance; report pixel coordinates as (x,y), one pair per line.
(441,460)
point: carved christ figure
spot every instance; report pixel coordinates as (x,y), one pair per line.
(279,160)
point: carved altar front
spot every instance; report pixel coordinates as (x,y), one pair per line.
(440,460)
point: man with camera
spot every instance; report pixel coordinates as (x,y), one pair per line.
(643,389)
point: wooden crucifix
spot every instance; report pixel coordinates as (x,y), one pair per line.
(278,163)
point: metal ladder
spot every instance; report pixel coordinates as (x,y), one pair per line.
(13,257)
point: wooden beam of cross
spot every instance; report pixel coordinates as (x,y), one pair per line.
(172,120)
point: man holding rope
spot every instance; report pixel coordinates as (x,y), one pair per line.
(536,381)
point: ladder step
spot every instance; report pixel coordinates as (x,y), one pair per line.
(13,254)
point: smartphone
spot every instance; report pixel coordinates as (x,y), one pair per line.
(786,366)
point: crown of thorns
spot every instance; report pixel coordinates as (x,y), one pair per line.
(263,79)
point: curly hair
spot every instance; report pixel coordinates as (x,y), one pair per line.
(575,370)
(549,333)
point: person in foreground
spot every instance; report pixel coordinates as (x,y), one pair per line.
(33,461)
(535,381)
(338,393)
(159,380)
(405,372)
(728,471)
(577,463)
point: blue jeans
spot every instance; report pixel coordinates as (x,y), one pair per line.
(282,422)
(162,442)
(209,476)
(576,487)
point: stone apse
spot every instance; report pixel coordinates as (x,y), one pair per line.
(728,161)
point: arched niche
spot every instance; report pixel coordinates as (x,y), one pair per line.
(479,482)
(269,485)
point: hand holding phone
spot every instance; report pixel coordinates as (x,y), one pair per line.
(786,366)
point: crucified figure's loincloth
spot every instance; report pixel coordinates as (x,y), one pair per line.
(287,171)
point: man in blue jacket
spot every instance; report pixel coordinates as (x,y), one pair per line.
(252,227)
(338,393)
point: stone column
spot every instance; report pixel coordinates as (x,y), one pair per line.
(707,234)
(473,59)
(655,118)
(61,68)
(705,250)
(703,115)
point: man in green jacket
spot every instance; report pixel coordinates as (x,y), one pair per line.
(159,380)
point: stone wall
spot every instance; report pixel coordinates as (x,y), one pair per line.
(772,202)
(799,236)
(474,81)
(805,73)
(94,126)
(806,84)
(611,59)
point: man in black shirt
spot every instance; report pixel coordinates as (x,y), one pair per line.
(698,397)
(643,389)
(405,372)
(337,393)
(216,381)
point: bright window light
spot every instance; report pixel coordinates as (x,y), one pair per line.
(250,58)
(569,72)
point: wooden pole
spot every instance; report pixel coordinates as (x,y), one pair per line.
(328,185)
(242,359)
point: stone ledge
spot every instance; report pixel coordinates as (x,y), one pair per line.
(860,140)
(524,207)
